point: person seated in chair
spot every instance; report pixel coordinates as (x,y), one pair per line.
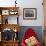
(30,38)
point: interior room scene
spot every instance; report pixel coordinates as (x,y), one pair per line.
(22,22)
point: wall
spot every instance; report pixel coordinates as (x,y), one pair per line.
(27,4)
(31,4)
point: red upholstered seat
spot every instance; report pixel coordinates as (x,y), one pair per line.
(29,33)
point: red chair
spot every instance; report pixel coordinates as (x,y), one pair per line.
(29,33)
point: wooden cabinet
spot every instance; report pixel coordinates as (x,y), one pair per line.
(0,43)
(44,4)
(44,37)
(10,43)
(8,28)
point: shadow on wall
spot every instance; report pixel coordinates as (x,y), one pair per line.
(37,29)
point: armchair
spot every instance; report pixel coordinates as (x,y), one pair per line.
(30,38)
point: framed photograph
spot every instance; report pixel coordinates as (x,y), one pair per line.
(5,12)
(13,12)
(30,13)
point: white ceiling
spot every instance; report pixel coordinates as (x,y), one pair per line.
(6,0)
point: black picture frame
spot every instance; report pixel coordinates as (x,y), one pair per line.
(29,13)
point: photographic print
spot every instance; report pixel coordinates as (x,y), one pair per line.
(5,12)
(29,13)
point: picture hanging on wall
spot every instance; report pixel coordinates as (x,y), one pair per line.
(30,13)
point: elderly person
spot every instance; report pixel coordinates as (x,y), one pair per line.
(30,38)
